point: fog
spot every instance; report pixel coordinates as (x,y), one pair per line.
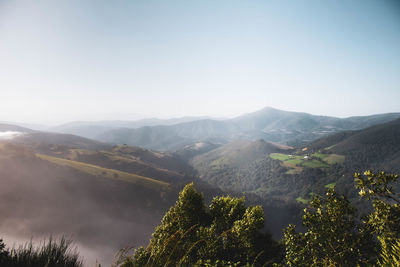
(39,199)
(8,135)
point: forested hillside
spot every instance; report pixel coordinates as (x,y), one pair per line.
(290,174)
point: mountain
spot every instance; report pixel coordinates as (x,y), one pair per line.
(91,129)
(170,138)
(289,128)
(5,127)
(45,138)
(376,147)
(31,126)
(297,173)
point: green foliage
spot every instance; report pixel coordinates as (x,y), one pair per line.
(225,211)
(377,186)
(332,236)
(335,237)
(224,234)
(385,218)
(390,253)
(52,253)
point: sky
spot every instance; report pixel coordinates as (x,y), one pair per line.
(91,60)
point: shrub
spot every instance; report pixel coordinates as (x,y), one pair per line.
(51,253)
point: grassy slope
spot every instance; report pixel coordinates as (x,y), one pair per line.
(108,173)
(165,167)
(316,160)
(114,156)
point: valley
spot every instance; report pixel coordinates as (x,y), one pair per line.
(66,184)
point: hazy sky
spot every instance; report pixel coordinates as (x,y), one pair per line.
(84,60)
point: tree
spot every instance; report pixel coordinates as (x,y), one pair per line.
(385,218)
(333,237)
(191,234)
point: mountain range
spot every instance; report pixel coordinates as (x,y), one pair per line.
(269,124)
(64,183)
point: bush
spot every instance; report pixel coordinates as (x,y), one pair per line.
(51,253)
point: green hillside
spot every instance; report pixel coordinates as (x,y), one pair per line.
(297,173)
(296,163)
(237,152)
(164,167)
(376,147)
(267,169)
(107,173)
(239,165)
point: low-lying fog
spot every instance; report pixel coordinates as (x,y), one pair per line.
(7,135)
(39,199)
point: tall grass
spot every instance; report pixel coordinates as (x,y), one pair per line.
(50,253)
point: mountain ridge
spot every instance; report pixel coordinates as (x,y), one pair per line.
(285,127)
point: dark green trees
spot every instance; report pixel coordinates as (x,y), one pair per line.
(192,234)
(385,218)
(335,237)
(228,234)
